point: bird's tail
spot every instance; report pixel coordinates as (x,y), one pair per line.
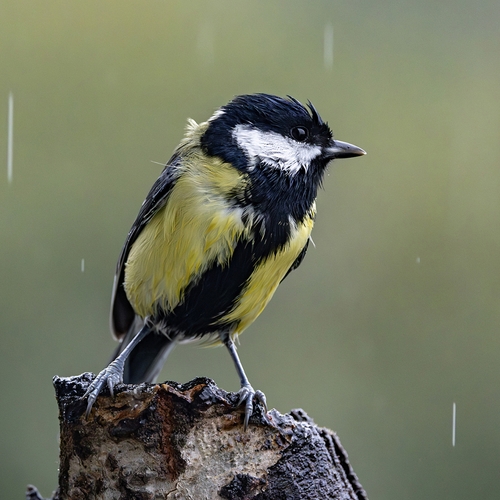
(146,360)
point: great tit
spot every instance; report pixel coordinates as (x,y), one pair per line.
(227,220)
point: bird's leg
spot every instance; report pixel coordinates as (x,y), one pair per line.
(113,373)
(247,393)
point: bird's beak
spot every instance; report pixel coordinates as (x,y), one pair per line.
(339,149)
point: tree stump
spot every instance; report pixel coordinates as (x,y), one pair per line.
(187,441)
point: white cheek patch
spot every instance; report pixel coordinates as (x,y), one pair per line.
(274,149)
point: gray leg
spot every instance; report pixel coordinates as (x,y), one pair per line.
(113,373)
(247,392)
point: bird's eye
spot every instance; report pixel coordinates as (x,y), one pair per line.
(300,134)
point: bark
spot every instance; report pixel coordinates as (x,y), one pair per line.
(187,442)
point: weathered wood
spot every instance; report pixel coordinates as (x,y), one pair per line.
(187,442)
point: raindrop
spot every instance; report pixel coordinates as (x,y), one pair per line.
(328,46)
(453,424)
(10,138)
(83,265)
(418,260)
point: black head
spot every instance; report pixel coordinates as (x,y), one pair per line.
(266,131)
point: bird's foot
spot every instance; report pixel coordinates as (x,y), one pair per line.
(247,396)
(111,375)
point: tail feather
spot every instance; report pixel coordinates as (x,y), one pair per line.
(145,362)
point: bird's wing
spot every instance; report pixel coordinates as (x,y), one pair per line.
(122,313)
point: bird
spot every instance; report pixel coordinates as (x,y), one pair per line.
(228,219)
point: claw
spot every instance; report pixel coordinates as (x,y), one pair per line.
(90,403)
(261,397)
(247,396)
(111,376)
(110,387)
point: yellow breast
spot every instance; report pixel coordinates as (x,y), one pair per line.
(268,275)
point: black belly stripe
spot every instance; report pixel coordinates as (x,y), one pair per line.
(212,296)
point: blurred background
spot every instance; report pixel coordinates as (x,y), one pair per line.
(391,319)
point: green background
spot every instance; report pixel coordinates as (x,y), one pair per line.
(392,318)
